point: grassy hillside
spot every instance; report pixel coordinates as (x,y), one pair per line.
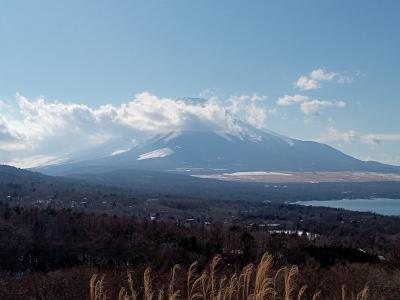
(253,282)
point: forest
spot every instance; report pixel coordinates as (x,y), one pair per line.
(53,254)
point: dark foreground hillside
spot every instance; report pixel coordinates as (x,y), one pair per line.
(52,254)
(56,233)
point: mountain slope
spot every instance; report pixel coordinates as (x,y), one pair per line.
(10,174)
(206,152)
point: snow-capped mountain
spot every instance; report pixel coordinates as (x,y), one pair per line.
(207,152)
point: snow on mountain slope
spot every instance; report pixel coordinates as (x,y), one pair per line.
(163,152)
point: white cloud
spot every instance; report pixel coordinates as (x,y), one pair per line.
(380,138)
(43,131)
(335,136)
(8,140)
(314,106)
(313,80)
(307,105)
(292,99)
(306,83)
(323,75)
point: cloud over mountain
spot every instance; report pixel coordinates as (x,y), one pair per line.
(56,130)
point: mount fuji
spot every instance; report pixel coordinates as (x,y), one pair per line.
(212,152)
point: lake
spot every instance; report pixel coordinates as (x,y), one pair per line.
(383,206)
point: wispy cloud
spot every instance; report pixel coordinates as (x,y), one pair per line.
(292,99)
(307,105)
(315,78)
(333,135)
(314,106)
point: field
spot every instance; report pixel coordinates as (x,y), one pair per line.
(304,177)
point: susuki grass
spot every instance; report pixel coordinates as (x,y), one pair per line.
(254,282)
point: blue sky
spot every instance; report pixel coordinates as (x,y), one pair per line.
(95,53)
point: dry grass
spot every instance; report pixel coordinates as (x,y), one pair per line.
(97,288)
(252,283)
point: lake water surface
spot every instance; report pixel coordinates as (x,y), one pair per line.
(383,206)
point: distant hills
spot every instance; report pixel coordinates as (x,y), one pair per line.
(143,184)
(10,174)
